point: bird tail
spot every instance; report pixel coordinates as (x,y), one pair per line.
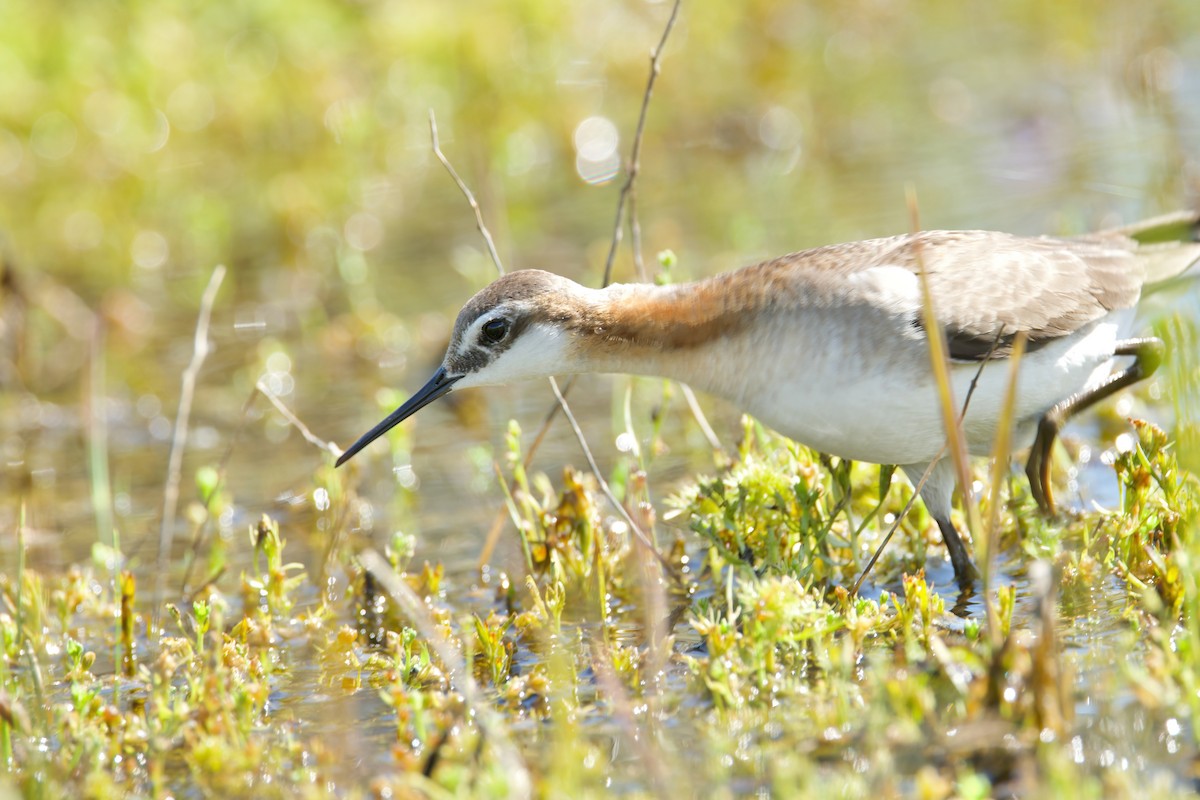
(1170,245)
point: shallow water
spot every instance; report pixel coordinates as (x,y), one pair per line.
(789,127)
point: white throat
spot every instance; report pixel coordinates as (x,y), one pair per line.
(539,352)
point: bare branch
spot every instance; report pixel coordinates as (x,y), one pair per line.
(498,525)
(630,182)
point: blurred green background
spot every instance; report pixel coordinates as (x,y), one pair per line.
(142,143)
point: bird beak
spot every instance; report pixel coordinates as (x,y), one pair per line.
(438,385)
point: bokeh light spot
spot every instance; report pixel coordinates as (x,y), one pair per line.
(10,152)
(950,100)
(364,231)
(150,249)
(780,129)
(106,112)
(82,230)
(596,150)
(191,106)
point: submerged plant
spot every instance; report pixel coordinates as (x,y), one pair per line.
(271,589)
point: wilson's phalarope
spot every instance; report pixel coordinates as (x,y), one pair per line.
(828,346)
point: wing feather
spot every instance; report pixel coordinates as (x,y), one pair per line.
(988,288)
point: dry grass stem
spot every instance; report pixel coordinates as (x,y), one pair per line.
(467,193)
(490,542)
(179,439)
(295,422)
(634,528)
(97,442)
(940,359)
(640,739)
(494,532)
(990,534)
(635,153)
(485,716)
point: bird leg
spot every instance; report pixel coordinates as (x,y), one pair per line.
(965,573)
(1147,353)
(937,486)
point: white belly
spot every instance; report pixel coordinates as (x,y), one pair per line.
(881,405)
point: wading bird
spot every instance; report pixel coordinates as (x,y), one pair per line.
(829,346)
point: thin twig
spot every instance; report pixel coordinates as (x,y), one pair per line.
(635,154)
(630,182)
(295,422)
(260,388)
(614,243)
(484,715)
(179,440)
(928,470)
(493,535)
(490,543)
(604,487)
(624,199)
(560,395)
(896,524)
(629,195)
(329,447)
(466,190)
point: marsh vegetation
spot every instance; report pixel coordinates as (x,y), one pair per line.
(463,611)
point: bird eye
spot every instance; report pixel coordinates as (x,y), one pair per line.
(495,330)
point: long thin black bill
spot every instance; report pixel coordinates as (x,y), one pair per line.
(437,386)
